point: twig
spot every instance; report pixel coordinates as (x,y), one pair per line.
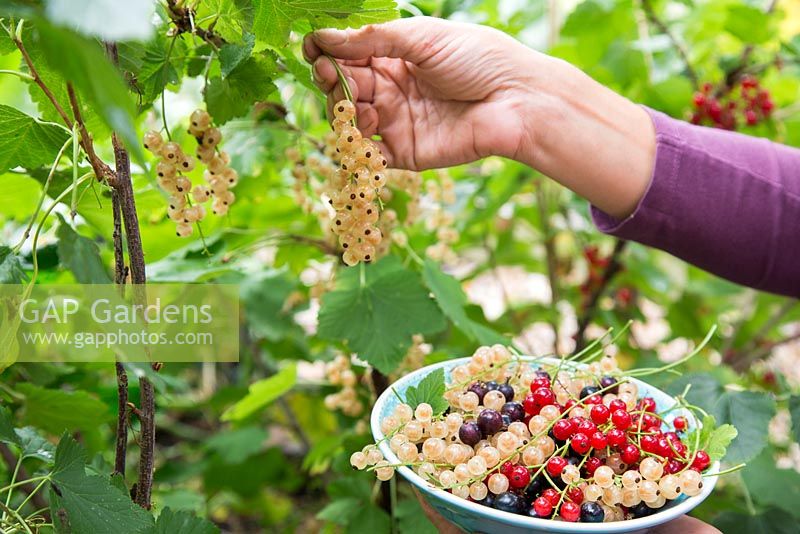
(38,79)
(663,28)
(121,449)
(183,18)
(323,246)
(613,267)
(550,257)
(737,72)
(101,170)
(757,347)
(11,461)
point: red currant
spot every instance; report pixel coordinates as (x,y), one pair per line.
(506,469)
(563,429)
(552,496)
(664,448)
(592,464)
(575,494)
(586,426)
(530,406)
(616,437)
(580,443)
(520,477)
(617,404)
(648,404)
(600,413)
(630,454)
(556,465)
(680,423)
(570,511)
(598,441)
(621,419)
(650,421)
(699,100)
(649,443)
(593,400)
(701,461)
(750,117)
(540,382)
(544,396)
(543,507)
(673,466)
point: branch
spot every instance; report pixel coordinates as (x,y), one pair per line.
(11,461)
(101,170)
(121,449)
(613,267)
(183,18)
(737,72)
(38,79)
(663,28)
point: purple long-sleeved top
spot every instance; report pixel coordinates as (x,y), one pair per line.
(726,202)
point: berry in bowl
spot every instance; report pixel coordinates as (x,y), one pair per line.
(499,443)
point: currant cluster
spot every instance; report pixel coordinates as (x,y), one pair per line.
(340,373)
(185,201)
(573,445)
(747,102)
(356,184)
(597,265)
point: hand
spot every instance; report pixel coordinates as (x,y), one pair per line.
(682,525)
(438,93)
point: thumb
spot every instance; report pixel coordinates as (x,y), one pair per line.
(409,39)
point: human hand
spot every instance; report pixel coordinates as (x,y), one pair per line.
(438,93)
(682,525)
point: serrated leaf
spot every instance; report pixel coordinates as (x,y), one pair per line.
(11,270)
(261,393)
(794,411)
(231,54)
(107,19)
(91,503)
(430,390)
(750,412)
(704,392)
(341,511)
(750,24)
(770,521)
(34,445)
(85,65)
(451,299)
(263,297)
(248,83)
(412,520)
(56,410)
(232,18)
(369,518)
(237,445)
(379,315)
(182,522)
(80,255)
(153,65)
(274,18)
(300,70)
(719,440)
(770,486)
(26,142)
(7,434)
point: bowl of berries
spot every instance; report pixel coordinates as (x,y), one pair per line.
(501,443)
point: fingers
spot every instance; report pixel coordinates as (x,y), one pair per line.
(361,79)
(411,39)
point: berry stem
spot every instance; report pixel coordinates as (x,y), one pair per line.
(345,86)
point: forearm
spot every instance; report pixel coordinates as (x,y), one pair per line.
(587,137)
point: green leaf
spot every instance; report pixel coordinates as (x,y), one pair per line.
(34,445)
(794,411)
(232,18)
(182,522)
(91,503)
(274,18)
(7,434)
(770,521)
(719,440)
(261,393)
(750,412)
(705,390)
(341,511)
(106,19)
(412,520)
(771,486)
(237,445)
(26,142)
(153,65)
(80,255)
(750,24)
(249,82)
(85,65)
(56,410)
(451,300)
(263,297)
(11,270)
(369,518)
(430,390)
(231,55)
(377,309)
(300,70)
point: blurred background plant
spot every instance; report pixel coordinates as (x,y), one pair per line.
(262,445)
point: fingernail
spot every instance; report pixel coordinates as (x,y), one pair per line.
(315,74)
(330,37)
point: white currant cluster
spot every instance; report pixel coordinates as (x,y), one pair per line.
(185,201)
(339,372)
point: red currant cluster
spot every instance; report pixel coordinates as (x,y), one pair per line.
(581,445)
(597,264)
(186,202)
(751,104)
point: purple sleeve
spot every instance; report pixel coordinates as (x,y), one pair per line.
(726,202)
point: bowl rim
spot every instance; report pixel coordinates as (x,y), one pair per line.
(630,525)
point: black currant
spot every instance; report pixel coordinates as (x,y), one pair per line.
(588,391)
(507,391)
(514,411)
(591,512)
(510,502)
(490,422)
(479,389)
(470,433)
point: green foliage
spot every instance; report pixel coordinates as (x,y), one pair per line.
(56,410)
(773,487)
(247,82)
(81,256)
(376,309)
(794,410)
(261,393)
(11,269)
(182,522)
(26,142)
(429,390)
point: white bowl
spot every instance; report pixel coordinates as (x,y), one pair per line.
(474,517)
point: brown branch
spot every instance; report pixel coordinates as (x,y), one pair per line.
(614,266)
(121,449)
(183,18)
(38,80)
(10,459)
(101,170)
(323,246)
(663,28)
